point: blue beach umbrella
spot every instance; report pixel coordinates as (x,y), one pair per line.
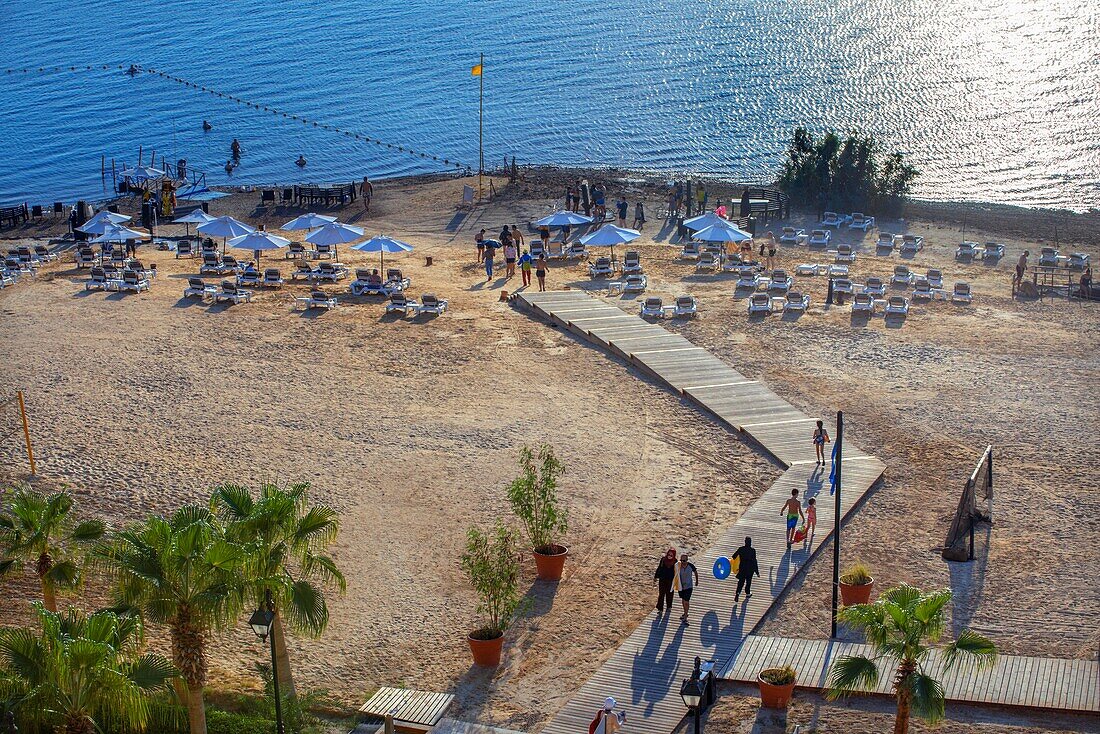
(382,244)
(719,233)
(101,220)
(610,236)
(707,220)
(198,216)
(224,227)
(307,221)
(563,219)
(258,242)
(335,234)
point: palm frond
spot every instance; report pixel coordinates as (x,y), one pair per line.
(88,531)
(852,673)
(926,696)
(973,647)
(904,595)
(63,574)
(232,502)
(307,610)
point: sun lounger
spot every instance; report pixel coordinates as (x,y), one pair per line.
(874,286)
(780,281)
(323,251)
(1078,261)
(844,254)
(806,269)
(231,293)
(861,222)
(713,248)
(537,249)
(843,285)
(832,220)
(85,257)
(576,251)
(911,244)
(211,265)
(304,271)
(208,247)
(760,303)
(791,236)
(399,302)
(747,278)
(922,288)
(732,262)
(6,277)
(316,299)
(993,251)
(902,275)
(557,251)
(131,281)
(601,268)
(685,306)
(886,241)
(26,256)
(330,272)
(935,277)
(707,262)
(196,288)
(863,302)
(295,251)
(635,283)
(185,248)
(429,303)
(796,301)
(820,238)
(98,281)
(396,280)
(249,277)
(43,254)
(837,271)
(1048,257)
(961,293)
(897,306)
(690,251)
(652,306)
(632,262)
(273,278)
(966,251)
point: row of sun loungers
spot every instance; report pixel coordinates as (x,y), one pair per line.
(328,271)
(429,303)
(130,280)
(654,306)
(765,303)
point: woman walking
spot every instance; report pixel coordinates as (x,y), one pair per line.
(821,437)
(540,272)
(479,240)
(746,568)
(510,259)
(639,216)
(664,577)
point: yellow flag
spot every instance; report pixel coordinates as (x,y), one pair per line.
(475,70)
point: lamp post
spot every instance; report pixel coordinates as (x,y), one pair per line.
(692,691)
(262,622)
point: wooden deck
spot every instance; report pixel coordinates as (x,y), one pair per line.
(644,673)
(1041,683)
(410,709)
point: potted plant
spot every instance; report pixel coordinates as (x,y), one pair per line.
(534,499)
(856,584)
(776,686)
(491,562)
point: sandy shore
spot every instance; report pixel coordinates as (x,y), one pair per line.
(411,428)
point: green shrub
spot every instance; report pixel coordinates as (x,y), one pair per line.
(779,676)
(491,562)
(858,574)
(534,499)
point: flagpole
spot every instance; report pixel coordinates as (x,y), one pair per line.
(481,125)
(837,463)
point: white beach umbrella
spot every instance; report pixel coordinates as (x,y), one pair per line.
(224,227)
(709,219)
(307,221)
(100,220)
(258,242)
(335,234)
(144,173)
(197,216)
(118,233)
(563,219)
(382,244)
(719,233)
(610,236)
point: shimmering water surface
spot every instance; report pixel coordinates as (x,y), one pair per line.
(994,101)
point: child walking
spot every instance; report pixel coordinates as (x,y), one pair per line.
(821,437)
(811,519)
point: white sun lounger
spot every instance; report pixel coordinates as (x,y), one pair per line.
(820,238)
(993,251)
(576,251)
(966,251)
(760,303)
(863,302)
(690,251)
(635,283)
(902,275)
(860,221)
(43,253)
(922,288)
(961,293)
(249,277)
(780,281)
(886,241)
(831,220)
(707,262)
(1078,260)
(399,302)
(211,265)
(1048,257)
(98,281)
(316,299)
(273,278)
(796,301)
(429,303)
(911,243)
(791,236)
(843,285)
(196,288)
(632,262)
(837,271)
(747,278)
(395,279)
(685,306)
(601,268)
(844,254)
(652,306)
(132,282)
(874,286)
(806,269)
(897,306)
(232,294)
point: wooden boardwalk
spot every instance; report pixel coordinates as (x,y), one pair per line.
(644,673)
(1043,683)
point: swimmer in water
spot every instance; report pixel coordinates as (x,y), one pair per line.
(301,162)
(206,126)
(236,148)
(229,166)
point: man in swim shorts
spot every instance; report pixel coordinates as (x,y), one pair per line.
(792,508)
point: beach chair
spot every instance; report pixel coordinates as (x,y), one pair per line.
(760,303)
(6,277)
(993,251)
(296,251)
(429,303)
(26,257)
(831,220)
(398,302)
(690,251)
(556,251)
(1048,257)
(196,288)
(886,241)
(131,281)
(902,275)
(806,269)
(632,262)
(652,306)
(935,278)
(208,247)
(316,299)
(796,301)
(230,265)
(922,288)
(43,254)
(780,282)
(323,251)
(843,285)
(844,254)
(211,265)
(860,221)
(820,238)
(330,271)
(911,244)
(837,271)
(601,268)
(966,251)
(961,293)
(85,257)
(537,249)
(707,262)
(875,286)
(732,262)
(791,236)
(185,248)
(635,283)
(1078,261)
(232,294)
(116,257)
(97,281)
(304,271)
(897,306)
(863,303)
(747,278)
(359,285)
(249,276)
(712,248)
(273,278)
(685,306)
(113,272)
(395,280)
(576,251)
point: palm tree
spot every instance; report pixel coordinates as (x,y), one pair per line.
(285,538)
(81,674)
(901,625)
(40,529)
(181,572)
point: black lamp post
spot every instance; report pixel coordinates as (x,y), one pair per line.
(262,621)
(692,691)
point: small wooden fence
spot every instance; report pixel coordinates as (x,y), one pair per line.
(959,545)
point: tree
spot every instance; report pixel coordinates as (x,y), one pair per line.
(284,539)
(181,572)
(41,530)
(491,562)
(534,499)
(902,624)
(81,674)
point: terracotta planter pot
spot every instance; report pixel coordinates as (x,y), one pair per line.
(486,652)
(550,565)
(851,594)
(772,696)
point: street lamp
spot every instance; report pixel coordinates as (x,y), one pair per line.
(692,691)
(261,622)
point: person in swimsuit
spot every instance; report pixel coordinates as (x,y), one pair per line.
(517,237)
(792,508)
(480,241)
(540,272)
(821,437)
(811,518)
(544,235)
(509,259)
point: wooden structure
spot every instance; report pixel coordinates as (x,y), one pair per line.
(14,215)
(979,485)
(1041,683)
(412,711)
(645,672)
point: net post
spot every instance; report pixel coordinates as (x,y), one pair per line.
(26,430)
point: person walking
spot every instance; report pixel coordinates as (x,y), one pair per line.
(1021,270)
(622,207)
(544,235)
(517,237)
(664,577)
(639,216)
(792,508)
(479,240)
(490,253)
(575,196)
(820,438)
(366,190)
(525,261)
(505,235)
(607,720)
(687,578)
(510,259)
(747,567)
(586,198)
(540,272)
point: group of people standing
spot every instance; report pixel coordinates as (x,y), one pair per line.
(512,243)
(592,200)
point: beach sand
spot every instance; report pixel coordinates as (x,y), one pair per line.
(411,427)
